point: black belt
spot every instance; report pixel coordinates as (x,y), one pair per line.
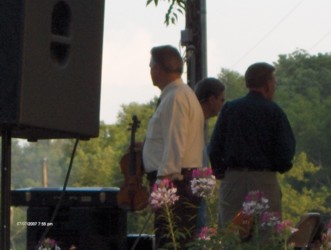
(151,176)
(187,171)
(248,169)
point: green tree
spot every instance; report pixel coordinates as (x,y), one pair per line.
(28,159)
(304,91)
(298,196)
(94,164)
(234,88)
(234,83)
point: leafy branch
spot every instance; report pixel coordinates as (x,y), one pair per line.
(175,7)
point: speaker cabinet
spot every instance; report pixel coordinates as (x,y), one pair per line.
(86,228)
(50,67)
(141,242)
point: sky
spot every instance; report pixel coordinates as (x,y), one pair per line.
(239,33)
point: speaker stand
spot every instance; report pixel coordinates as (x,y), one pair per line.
(5,188)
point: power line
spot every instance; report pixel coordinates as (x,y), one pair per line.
(320,40)
(268,33)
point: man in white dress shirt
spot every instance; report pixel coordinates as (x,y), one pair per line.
(175,139)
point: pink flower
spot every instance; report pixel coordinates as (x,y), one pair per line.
(255,203)
(329,225)
(49,243)
(203,182)
(270,219)
(202,172)
(285,226)
(206,233)
(164,193)
(327,236)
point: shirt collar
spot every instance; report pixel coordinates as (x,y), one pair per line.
(171,85)
(254,93)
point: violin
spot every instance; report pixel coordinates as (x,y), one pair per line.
(133,195)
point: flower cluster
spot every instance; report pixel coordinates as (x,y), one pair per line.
(270,219)
(255,219)
(244,232)
(164,193)
(284,226)
(326,237)
(203,182)
(49,244)
(255,203)
(206,233)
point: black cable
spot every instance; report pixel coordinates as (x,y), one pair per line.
(43,236)
(140,233)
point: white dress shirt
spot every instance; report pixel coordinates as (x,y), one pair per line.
(175,134)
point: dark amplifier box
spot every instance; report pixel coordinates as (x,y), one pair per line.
(73,197)
(88,218)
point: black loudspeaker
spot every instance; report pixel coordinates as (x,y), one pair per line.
(86,228)
(140,242)
(50,67)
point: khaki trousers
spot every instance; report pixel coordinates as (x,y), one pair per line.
(237,184)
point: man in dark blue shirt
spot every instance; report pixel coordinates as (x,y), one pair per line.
(251,142)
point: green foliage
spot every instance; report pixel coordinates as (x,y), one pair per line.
(299,197)
(120,132)
(234,88)
(28,160)
(304,91)
(234,83)
(141,222)
(175,7)
(93,156)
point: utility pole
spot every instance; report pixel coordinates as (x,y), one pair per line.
(45,179)
(194,38)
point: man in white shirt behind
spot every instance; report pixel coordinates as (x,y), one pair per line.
(175,139)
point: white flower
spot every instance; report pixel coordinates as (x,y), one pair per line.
(203,182)
(164,193)
(255,203)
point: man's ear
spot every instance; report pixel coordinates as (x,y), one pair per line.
(267,87)
(268,90)
(211,99)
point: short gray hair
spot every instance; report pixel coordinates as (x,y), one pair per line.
(168,58)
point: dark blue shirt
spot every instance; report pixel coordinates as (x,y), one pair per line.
(251,132)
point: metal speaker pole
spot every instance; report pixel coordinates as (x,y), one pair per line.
(5,189)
